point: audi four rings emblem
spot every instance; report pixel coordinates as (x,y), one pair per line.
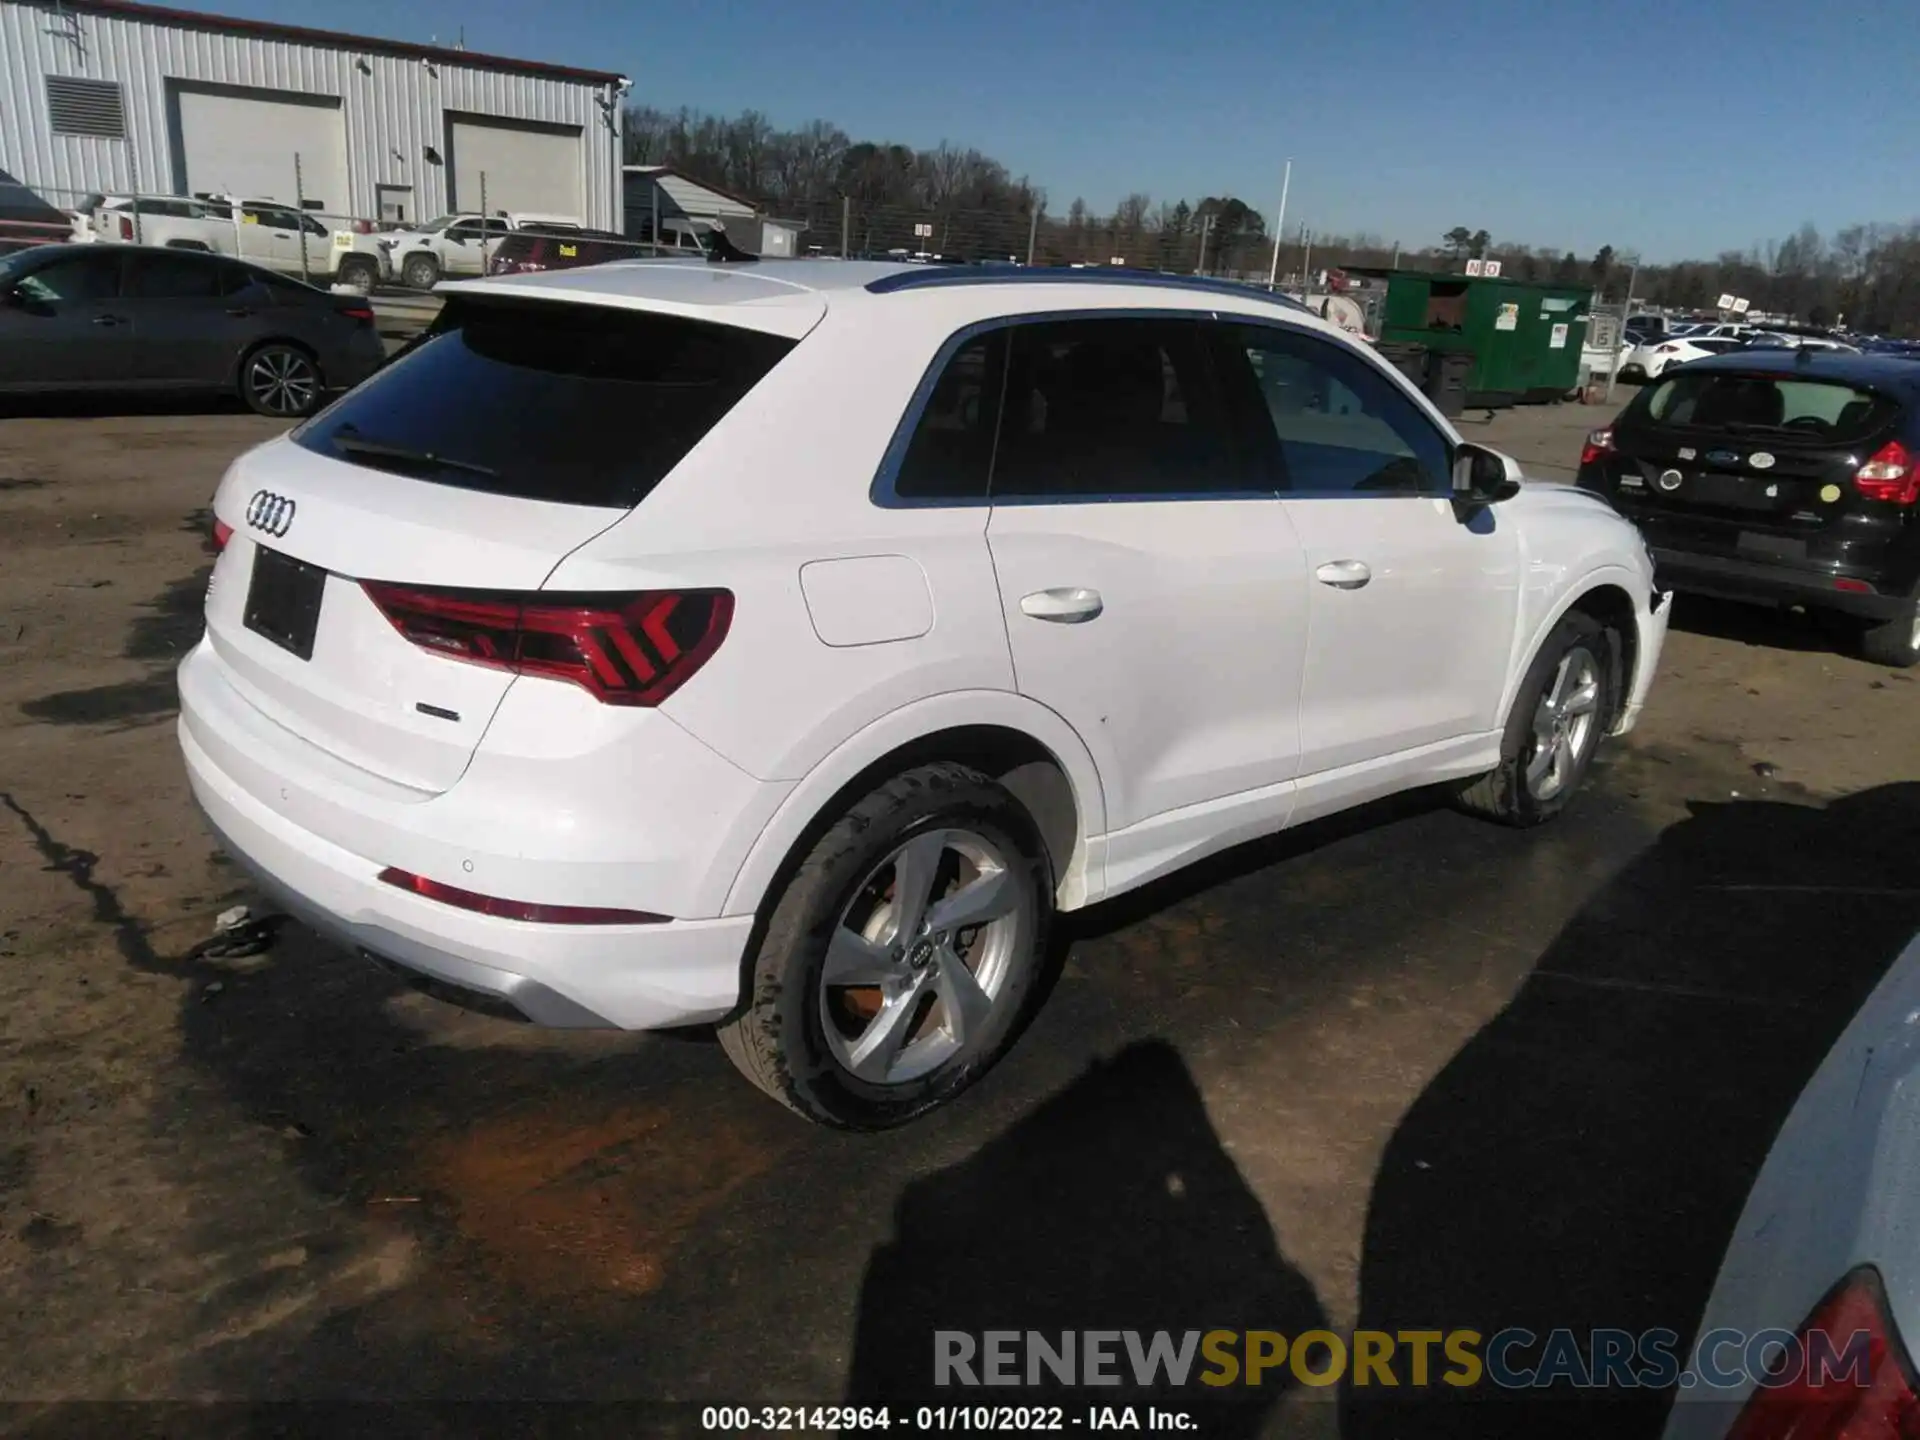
(271,513)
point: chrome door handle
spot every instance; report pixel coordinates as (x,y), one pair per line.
(1344,574)
(106,319)
(1068,605)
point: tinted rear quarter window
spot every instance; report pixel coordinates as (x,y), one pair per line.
(579,404)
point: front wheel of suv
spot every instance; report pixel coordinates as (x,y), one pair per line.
(1894,643)
(1559,716)
(899,959)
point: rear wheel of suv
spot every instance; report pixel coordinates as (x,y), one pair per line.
(898,961)
(1561,712)
(1894,643)
(421,272)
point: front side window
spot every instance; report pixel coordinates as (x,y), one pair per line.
(1338,426)
(73,282)
(1114,409)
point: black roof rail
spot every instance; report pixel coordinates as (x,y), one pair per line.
(931,277)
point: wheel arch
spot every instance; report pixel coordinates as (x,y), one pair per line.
(1021,743)
(1606,595)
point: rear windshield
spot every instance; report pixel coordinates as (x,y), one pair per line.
(580,404)
(1817,409)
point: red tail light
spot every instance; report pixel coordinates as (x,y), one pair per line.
(222,533)
(1831,1398)
(623,649)
(126,228)
(1599,443)
(1889,475)
(362,313)
(516,909)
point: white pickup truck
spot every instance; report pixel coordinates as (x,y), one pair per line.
(265,232)
(457,244)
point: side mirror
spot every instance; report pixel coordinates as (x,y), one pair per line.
(1483,476)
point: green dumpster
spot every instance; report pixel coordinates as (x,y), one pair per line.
(1525,338)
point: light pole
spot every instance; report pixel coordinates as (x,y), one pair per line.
(1280,225)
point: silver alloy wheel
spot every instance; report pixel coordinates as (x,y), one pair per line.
(1564,724)
(284,381)
(921,954)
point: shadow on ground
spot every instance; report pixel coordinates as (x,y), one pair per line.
(105,405)
(1581,1163)
(1111,1206)
(165,629)
(1766,626)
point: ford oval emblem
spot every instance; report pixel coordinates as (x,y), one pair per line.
(1669,480)
(1723,457)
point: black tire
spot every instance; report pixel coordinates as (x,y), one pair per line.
(1893,643)
(1505,794)
(420,272)
(781,1041)
(359,273)
(281,380)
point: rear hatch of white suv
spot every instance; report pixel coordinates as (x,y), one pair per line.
(412,525)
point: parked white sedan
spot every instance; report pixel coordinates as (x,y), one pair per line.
(1651,360)
(660,644)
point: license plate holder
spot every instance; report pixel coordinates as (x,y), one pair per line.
(283,601)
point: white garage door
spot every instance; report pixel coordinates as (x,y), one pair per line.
(528,168)
(242,142)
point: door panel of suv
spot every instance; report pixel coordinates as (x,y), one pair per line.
(1412,612)
(1152,586)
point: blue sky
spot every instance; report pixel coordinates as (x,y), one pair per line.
(1674,127)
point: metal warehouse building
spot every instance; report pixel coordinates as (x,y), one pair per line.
(115,96)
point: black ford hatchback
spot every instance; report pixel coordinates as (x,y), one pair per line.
(1784,477)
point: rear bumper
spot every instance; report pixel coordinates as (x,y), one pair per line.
(632,977)
(651,821)
(1772,584)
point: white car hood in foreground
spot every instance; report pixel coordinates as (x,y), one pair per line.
(1838,1189)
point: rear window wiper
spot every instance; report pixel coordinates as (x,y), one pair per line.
(380,450)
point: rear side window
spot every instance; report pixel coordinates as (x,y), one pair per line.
(579,404)
(1818,409)
(1114,409)
(179,276)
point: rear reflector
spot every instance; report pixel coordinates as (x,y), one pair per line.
(1846,1377)
(623,649)
(362,313)
(516,909)
(1599,443)
(1853,587)
(1889,475)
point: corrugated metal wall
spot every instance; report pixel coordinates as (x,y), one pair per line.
(395,106)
